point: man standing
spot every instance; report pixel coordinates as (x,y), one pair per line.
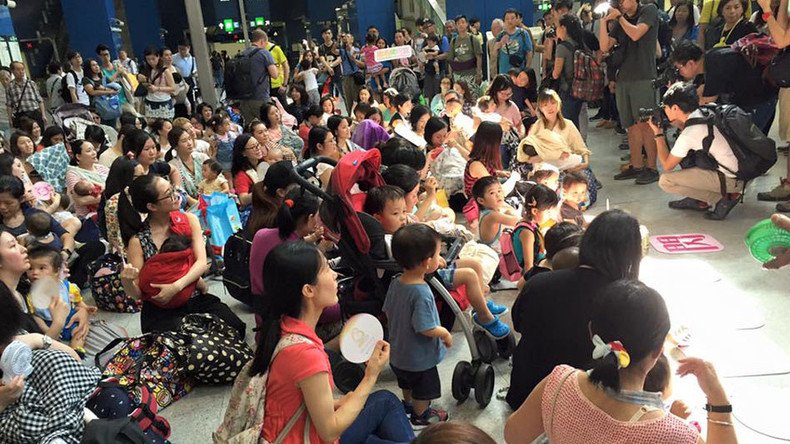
(513,44)
(53,85)
(263,69)
(278,83)
(74,79)
(23,98)
(128,64)
(184,63)
(491,47)
(635,28)
(465,56)
(349,65)
(329,56)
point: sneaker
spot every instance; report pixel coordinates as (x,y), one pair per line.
(624,146)
(722,209)
(629,173)
(495,308)
(408,408)
(778,193)
(428,417)
(619,129)
(496,328)
(689,204)
(647,176)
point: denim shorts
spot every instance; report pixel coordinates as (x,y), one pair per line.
(447,276)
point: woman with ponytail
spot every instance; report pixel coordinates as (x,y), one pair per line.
(300,374)
(268,195)
(608,404)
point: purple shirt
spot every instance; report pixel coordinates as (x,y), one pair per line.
(264,241)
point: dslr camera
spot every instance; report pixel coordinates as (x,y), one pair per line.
(668,76)
(655,115)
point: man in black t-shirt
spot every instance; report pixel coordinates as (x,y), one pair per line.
(329,55)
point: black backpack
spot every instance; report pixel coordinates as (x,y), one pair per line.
(65,93)
(236,275)
(239,83)
(755,152)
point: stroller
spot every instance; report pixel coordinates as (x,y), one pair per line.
(340,214)
(73,118)
(405,81)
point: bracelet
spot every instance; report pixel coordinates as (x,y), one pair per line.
(721,423)
(767,15)
(658,136)
(726,408)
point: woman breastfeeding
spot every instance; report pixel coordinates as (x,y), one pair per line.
(247,154)
(85,166)
(187,161)
(155,197)
(145,151)
(300,374)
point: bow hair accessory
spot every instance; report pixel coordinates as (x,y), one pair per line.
(602,349)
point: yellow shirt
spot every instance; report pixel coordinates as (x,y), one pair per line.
(709,8)
(279,60)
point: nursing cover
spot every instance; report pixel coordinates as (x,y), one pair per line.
(51,163)
(166,268)
(368,134)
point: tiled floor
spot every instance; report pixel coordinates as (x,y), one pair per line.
(715,294)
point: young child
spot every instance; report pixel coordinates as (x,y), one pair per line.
(574,194)
(485,110)
(171,263)
(418,340)
(431,47)
(307,73)
(64,217)
(546,174)
(46,262)
(528,244)
(39,231)
(562,250)
(387,205)
(494,212)
(213,180)
(373,68)
(86,188)
(659,380)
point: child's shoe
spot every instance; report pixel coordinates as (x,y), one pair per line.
(495,308)
(428,417)
(496,328)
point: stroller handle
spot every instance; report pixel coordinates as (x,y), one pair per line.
(454,248)
(298,171)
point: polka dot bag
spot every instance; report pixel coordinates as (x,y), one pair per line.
(214,352)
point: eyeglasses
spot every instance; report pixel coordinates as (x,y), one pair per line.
(257,146)
(169,194)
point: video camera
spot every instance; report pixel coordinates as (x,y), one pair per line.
(655,115)
(602,9)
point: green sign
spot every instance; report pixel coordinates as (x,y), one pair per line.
(228,25)
(259,21)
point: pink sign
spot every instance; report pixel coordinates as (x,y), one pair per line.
(685,243)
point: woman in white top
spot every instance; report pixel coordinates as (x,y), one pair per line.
(160,84)
(308,70)
(341,128)
(187,161)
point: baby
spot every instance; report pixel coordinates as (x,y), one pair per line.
(39,231)
(171,263)
(86,188)
(46,262)
(63,216)
(659,380)
(213,180)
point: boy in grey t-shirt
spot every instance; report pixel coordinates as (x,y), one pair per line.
(635,29)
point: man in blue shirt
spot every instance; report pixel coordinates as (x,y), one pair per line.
(184,63)
(513,44)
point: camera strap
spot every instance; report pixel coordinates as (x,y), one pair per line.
(707,142)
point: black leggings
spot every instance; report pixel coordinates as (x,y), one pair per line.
(153,318)
(86,255)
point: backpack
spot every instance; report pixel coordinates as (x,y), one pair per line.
(236,274)
(104,278)
(757,48)
(664,35)
(65,94)
(243,421)
(111,402)
(508,262)
(239,84)
(755,152)
(588,76)
(152,360)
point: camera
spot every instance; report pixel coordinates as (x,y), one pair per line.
(655,115)
(668,76)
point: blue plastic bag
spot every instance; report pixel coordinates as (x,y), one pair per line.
(222,219)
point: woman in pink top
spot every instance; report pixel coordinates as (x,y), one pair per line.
(300,378)
(608,404)
(500,91)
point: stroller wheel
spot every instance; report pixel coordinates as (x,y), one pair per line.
(462,381)
(486,346)
(484,384)
(348,375)
(505,346)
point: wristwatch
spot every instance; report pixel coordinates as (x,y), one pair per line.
(46,342)
(719,408)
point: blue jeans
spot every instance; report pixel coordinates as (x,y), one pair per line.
(381,421)
(763,114)
(571,107)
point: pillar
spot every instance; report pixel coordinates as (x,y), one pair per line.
(143,23)
(88,24)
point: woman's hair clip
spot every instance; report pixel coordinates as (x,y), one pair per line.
(289,203)
(603,350)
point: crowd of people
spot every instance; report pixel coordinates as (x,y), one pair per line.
(474,142)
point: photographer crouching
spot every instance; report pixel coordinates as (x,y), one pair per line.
(703,182)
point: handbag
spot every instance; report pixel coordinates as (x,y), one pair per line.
(152,360)
(106,287)
(142,87)
(108,106)
(215,354)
